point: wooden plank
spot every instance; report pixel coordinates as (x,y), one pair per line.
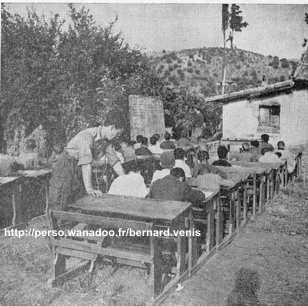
(68,274)
(107,222)
(131,206)
(75,253)
(156,273)
(93,248)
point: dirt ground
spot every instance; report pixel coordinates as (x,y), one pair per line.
(275,245)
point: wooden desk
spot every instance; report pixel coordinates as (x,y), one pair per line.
(35,184)
(12,214)
(165,214)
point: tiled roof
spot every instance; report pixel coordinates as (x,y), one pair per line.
(252,92)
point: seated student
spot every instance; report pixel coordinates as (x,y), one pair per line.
(157,136)
(128,151)
(166,163)
(174,188)
(143,150)
(222,153)
(117,147)
(264,143)
(184,143)
(137,145)
(191,160)
(154,145)
(129,184)
(245,147)
(29,158)
(208,180)
(203,158)
(255,149)
(268,156)
(179,155)
(286,155)
(167,144)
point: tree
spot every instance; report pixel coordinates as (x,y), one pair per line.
(67,79)
(236,22)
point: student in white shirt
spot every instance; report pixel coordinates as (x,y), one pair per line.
(167,163)
(268,156)
(129,184)
(286,155)
(179,155)
(154,145)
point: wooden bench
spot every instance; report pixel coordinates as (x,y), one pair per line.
(115,212)
(90,248)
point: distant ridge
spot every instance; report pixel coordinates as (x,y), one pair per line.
(200,69)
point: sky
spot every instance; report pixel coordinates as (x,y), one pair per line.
(274,29)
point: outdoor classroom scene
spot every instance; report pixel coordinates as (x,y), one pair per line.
(167,174)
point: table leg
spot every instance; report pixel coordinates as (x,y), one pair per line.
(254,196)
(155,267)
(245,200)
(219,221)
(16,205)
(237,210)
(210,227)
(181,255)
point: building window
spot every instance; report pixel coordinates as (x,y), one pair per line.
(269,117)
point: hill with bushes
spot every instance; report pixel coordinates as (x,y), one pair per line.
(201,69)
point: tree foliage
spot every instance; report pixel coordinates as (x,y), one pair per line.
(67,79)
(236,22)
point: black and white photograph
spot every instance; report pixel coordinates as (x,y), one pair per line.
(154,153)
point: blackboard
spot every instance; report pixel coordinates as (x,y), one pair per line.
(146,116)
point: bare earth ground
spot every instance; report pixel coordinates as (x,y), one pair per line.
(275,245)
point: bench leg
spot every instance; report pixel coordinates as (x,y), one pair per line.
(155,267)
(181,249)
(57,269)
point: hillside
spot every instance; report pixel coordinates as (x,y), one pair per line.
(201,69)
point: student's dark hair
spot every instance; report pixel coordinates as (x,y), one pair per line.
(278,154)
(265,137)
(131,142)
(203,155)
(157,136)
(264,150)
(139,138)
(130,166)
(222,152)
(255,143)
(179,153)
(144,141)
(190,158)
(167,136)
(280,142)
(153,140)
(178,173)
